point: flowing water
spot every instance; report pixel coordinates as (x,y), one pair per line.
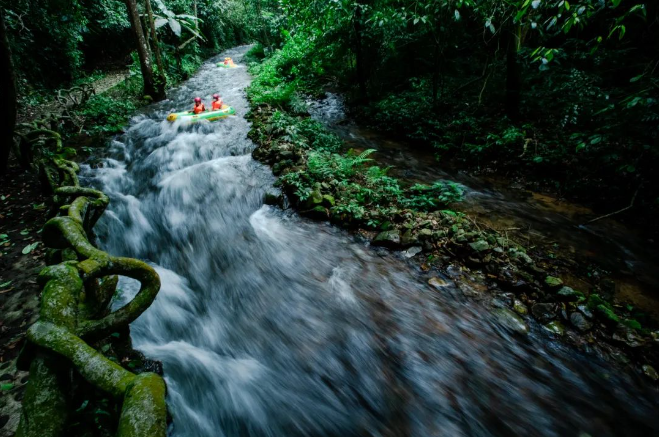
(271,325)
(531,218)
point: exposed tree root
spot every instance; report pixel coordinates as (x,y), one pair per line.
(75,308)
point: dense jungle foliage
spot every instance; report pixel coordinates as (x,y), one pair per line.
(562,94)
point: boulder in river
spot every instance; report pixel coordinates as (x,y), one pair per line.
(271,199)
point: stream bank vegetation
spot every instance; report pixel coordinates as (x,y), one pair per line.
(324,181)
(562,96)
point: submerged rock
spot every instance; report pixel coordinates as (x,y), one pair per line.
(389,239)
(511,321)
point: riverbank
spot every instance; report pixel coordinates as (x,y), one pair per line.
(323,182)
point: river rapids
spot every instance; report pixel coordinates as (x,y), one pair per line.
(268,324)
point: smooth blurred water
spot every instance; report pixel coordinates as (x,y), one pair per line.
(271,325)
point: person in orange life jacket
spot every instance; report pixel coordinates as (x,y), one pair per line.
(227,61)
(217,102)
(198,106)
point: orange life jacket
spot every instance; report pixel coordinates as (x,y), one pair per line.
(217,105)
(198,109)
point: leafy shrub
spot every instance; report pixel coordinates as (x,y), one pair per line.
(105,114)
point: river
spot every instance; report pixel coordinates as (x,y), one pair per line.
(268,324)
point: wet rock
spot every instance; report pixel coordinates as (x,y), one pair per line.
(650,372)
(454,270)
(520,255)
(412,251)
(583,309)
(425,233)
(519,307)
(579,321)
(511,321)
(544,312)
(628,336)
(408,239)
(317,212)
(568,294)
(553,282)
(271,199)
(555,327)
(438,283)
(390,239)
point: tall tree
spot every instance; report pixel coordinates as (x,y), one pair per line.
(153,88)
(7,97)
(156,46)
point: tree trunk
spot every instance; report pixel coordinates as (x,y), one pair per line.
(151,88)
(513,73)
(359,54)
(7,98)
(264,31)
(156,45)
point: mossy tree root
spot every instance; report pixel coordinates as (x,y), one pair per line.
(74,309)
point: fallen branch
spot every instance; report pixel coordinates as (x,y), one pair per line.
(631,204)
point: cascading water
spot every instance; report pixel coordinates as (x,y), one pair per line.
(271,325)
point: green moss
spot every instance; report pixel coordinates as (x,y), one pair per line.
(144,411)
(632,323)
(92,365)
(45,404)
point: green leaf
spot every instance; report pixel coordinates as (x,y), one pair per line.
(29,248)
(537,159)
(5,387)
(637,78)
(581,146)
(520,14)
(623,29)
(25,232)
(5,284)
